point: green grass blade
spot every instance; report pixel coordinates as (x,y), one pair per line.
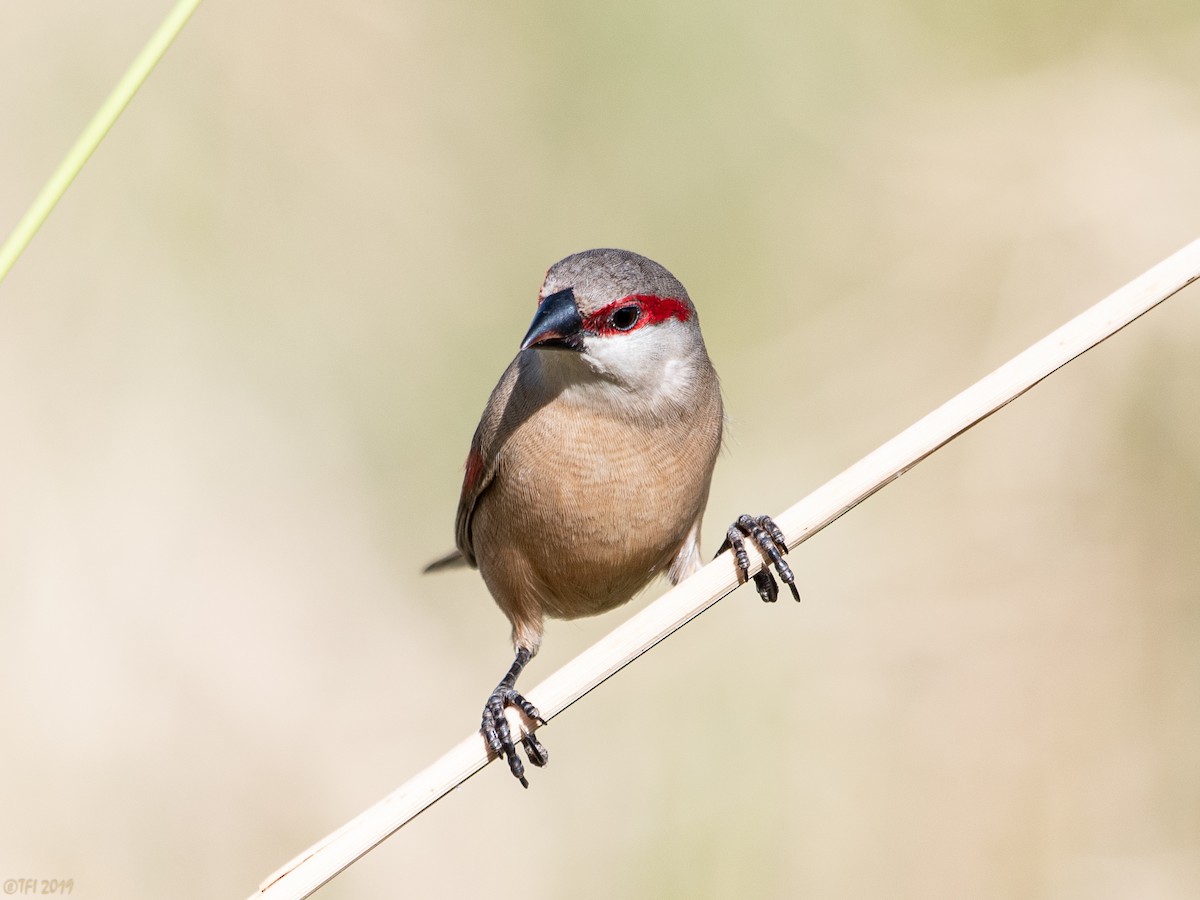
(94,133)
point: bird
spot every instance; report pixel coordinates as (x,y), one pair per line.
(590,469)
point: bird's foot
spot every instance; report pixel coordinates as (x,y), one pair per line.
(766,534)
(499,736)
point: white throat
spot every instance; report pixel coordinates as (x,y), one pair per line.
(651,369)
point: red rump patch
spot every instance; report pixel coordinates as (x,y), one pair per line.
(474,470)
(650,310)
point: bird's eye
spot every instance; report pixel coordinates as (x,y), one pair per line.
(626,317)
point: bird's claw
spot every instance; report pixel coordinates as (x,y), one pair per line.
(499,736)
(767,535)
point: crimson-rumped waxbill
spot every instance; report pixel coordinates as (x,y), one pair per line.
(590,469)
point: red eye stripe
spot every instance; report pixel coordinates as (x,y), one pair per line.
(652,310)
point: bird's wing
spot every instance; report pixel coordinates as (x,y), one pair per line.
(479,474)
(519,394)
(477,477)
(499,419)
(687,560)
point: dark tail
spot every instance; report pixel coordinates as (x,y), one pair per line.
(451,560)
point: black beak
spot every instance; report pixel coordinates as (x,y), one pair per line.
(557,323)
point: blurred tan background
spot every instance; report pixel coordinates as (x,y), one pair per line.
(241,364)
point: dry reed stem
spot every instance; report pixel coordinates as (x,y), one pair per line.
(317,865)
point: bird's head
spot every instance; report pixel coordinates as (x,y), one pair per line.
(625,317)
